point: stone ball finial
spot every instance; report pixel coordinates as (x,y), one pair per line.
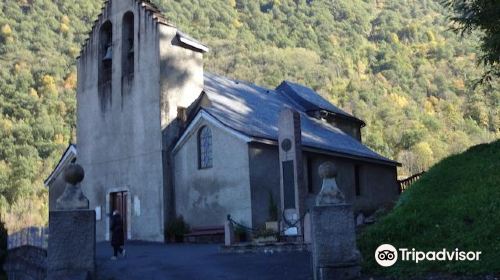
(329,193)
(74,174)
(72,197)
(327,170)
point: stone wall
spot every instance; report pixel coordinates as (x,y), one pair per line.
(34,236)
(26,262)
(72,244)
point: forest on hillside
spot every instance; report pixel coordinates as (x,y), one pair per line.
(393,63)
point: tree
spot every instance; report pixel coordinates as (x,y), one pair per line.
(407,92)
(424,155)
(484,16)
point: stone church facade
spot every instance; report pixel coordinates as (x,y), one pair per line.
(159,138)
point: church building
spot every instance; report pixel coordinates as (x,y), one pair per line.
(158,137)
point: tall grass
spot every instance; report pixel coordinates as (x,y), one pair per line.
(454,205)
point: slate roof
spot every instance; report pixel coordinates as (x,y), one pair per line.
(254,111)
(310,100)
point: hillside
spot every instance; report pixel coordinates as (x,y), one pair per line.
(391,63)
(454,205)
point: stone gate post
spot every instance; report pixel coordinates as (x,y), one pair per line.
(334,251)
(71,251)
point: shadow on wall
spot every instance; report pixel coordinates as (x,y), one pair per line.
(178,75)
(202,200)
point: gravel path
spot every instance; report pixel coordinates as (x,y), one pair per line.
(146,260)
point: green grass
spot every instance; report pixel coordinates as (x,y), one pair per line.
(454,205)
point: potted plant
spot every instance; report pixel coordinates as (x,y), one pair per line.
(272,223)
(176,229)
(240,234)
(265,235)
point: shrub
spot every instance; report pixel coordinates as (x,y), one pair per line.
(273,208)
(263,232)
(240,233)
(176,229)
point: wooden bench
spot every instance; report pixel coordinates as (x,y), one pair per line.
(209,234)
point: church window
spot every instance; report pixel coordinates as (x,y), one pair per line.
(105,54)
(128,45)
(205,148)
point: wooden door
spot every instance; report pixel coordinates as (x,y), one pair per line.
(119,202)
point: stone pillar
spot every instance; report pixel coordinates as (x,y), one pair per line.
(228,233)
(71,252)
(307,228)
(334,251)
(291,170)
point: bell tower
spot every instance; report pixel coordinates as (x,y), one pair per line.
(134,70)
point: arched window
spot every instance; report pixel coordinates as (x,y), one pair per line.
(128,45)
(205,148)
(105,54)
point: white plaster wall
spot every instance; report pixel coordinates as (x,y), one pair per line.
(204,197)
(181,74)
(120,148)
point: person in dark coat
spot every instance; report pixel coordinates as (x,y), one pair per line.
(117,238)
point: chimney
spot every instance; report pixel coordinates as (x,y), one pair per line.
(182,116)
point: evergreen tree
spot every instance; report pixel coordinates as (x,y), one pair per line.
(482,15)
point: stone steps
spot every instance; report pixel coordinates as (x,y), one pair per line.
(268,248)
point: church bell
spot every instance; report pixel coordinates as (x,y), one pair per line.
(131,50)
(109,54)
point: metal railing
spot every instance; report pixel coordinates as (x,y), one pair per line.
(255,230)
(405,183)
(34,236)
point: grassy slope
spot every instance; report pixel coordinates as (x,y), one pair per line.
(455,205)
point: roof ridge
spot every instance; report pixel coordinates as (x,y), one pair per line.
(238,81)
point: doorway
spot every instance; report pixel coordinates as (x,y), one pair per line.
(118,201)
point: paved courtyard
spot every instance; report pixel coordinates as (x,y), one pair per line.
(147,260)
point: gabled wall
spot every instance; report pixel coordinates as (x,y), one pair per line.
(350,127)
(205,196)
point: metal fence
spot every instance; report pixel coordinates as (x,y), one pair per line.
(34,236)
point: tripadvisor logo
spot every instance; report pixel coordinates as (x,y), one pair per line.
(387,255)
